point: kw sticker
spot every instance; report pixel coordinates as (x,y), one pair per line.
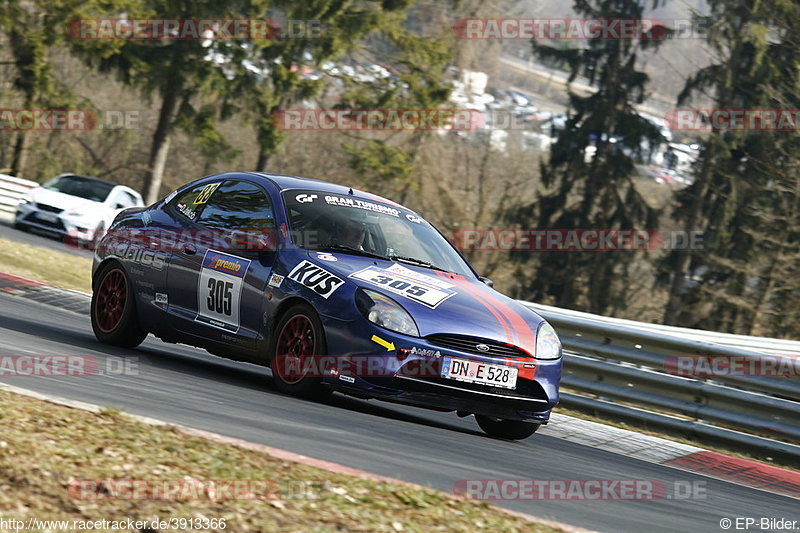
(315,278)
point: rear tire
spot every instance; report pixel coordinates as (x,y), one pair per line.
(298,337)
(506,429)
(113,311)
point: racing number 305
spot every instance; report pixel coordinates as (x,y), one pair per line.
(412,290)
(219,296)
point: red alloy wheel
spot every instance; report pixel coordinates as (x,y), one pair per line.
(296,344)
(112,295)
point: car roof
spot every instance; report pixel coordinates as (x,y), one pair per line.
(87,178)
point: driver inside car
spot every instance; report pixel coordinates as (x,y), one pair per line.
(350,232)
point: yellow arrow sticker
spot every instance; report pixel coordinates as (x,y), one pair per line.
(388,345)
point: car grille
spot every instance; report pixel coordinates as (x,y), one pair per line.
(469,345)
(57,225)
(49,208)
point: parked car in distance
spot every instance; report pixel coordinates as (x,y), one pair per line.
(73,206)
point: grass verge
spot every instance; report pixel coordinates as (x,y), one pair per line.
(48,451)
(45,265)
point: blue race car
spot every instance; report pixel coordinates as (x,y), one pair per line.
(334,289)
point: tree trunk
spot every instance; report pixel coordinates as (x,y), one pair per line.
(684,255)
(263,159)
(20,154)
(161,140)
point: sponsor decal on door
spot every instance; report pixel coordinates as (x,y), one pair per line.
(219,290)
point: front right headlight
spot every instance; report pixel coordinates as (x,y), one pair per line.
(385,312)
(548,345)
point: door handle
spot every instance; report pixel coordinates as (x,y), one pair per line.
(189,249)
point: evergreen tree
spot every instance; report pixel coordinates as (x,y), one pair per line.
(179,71)
(593,188)
(31,29)
(745,193)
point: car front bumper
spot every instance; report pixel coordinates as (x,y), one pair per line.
(370,370)
(31,216)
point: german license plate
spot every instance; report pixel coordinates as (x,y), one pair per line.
(47,217)
(478,372)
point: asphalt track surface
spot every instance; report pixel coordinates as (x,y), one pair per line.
(184,385)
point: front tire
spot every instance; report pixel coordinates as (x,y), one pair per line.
(113,311)
(506,429)
(298,338)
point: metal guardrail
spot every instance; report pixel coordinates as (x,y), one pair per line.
(12,190)
(627,370)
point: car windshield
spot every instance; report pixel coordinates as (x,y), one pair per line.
(80,186)
(370,227)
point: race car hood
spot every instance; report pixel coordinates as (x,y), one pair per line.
(60,200)
(440,303)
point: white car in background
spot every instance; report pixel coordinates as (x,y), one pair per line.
(77,207)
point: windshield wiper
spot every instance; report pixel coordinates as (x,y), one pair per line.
(348,250)
(418,262)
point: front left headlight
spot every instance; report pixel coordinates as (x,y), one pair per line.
(385,312)
(548,345)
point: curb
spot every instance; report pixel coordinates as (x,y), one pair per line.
(647,448)
(674,454)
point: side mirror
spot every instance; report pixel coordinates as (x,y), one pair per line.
(487,281)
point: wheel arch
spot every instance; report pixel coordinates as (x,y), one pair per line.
(99,267)
(285,305)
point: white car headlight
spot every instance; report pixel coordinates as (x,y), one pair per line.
(385,312)
(548,345)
